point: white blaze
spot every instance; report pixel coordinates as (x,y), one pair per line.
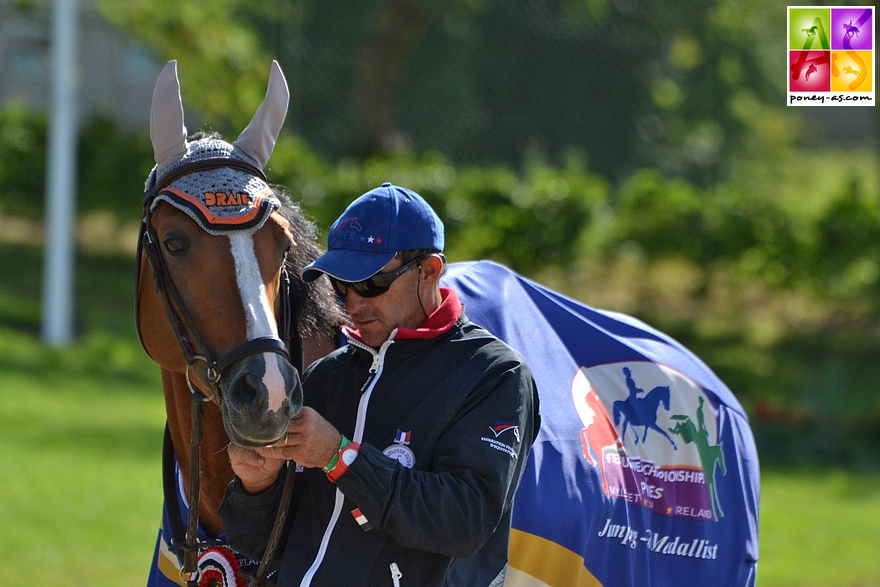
(260,319)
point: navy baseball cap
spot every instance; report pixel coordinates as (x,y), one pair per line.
(372,230)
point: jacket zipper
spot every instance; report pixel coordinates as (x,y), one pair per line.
(396,575)
(374,374)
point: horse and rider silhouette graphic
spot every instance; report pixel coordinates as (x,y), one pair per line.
(850,30)
(640,410)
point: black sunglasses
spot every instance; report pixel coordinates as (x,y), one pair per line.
(375,285)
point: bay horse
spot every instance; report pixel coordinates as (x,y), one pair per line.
(220,304)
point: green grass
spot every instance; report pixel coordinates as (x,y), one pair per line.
(819,529)
(81,432)
(80,492)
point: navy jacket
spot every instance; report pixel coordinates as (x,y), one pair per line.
(461,409)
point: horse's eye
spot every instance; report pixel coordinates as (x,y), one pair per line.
(174,246)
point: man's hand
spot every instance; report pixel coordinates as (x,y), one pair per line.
(256,472)
(311,441)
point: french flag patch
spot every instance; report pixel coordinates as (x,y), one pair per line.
(361,519)
(402,437)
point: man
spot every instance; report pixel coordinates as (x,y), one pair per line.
(414,436)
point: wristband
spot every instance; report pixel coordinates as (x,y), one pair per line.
(342,444)
(346,455)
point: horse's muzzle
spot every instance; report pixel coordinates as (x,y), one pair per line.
(258,396)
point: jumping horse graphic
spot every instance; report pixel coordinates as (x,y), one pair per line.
(811,69)
(848,69)
(710,455)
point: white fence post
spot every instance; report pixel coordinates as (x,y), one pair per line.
(60,242)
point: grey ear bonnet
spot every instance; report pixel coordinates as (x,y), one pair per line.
(226,189)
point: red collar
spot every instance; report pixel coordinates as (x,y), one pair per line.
(440,321)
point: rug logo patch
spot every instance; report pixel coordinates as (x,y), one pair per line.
(653,435)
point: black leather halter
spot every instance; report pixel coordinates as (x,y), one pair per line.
(148,246)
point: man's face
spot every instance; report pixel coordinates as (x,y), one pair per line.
(376,317)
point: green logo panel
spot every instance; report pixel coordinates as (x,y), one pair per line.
(808,28)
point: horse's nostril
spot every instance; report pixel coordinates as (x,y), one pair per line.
(244,389)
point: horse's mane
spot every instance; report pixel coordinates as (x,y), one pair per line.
(320,311)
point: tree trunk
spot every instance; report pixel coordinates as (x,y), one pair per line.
(378,76)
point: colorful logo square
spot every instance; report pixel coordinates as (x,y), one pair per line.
(851,28)
(809,71)
(830,56)
(851,71)
(808,29)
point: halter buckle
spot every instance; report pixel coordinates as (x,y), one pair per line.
(192,388)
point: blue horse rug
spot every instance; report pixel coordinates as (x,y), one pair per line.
(645,471)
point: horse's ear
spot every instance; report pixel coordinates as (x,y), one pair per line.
(258,140)
(167,131)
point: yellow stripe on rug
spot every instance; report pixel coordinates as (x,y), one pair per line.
(538,562)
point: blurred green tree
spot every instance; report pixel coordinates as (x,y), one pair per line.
(683,86)
(223,64)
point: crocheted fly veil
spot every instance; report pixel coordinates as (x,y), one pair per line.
(219,185)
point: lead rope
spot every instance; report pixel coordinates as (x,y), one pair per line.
(190,571)
(260,579)
(291,324)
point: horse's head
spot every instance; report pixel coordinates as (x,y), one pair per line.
(664,393)
(212,299)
